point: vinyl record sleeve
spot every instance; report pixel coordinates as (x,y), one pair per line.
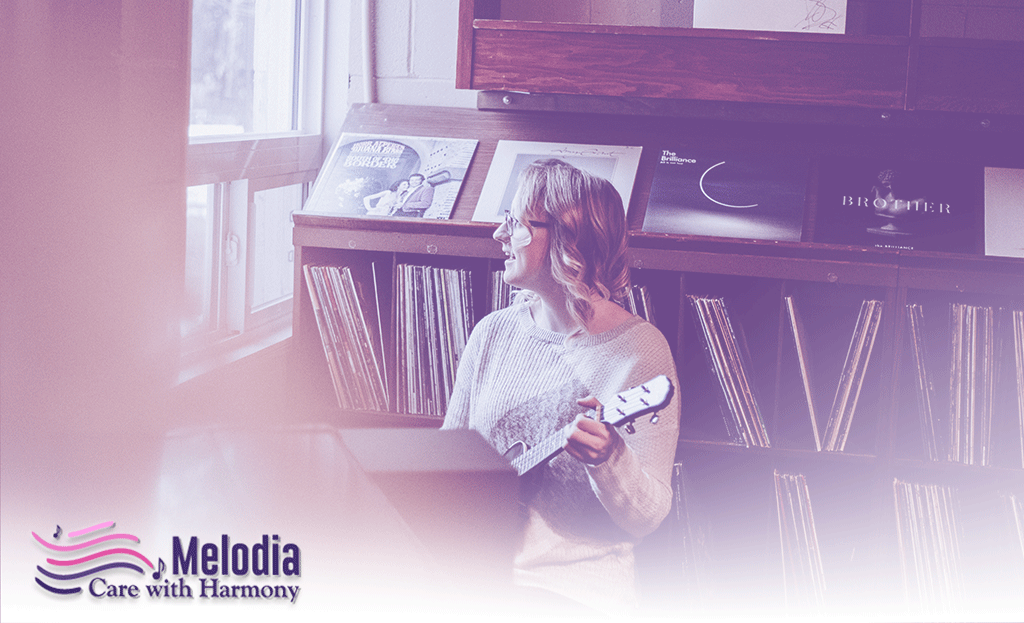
(373,175)
(887,203)
(728,195)
(1004,212)
(616,163)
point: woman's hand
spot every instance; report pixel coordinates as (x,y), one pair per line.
(589,440)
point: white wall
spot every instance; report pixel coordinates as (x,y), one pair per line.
(415,48)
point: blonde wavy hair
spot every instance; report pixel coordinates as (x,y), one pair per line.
(587,232)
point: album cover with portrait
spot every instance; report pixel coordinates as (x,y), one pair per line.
(391,176)
(731,195)
(900,204)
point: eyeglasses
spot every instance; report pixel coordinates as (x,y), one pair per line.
(512,222)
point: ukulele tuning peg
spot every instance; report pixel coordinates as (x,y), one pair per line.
(630,428)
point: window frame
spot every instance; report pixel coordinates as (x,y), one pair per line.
(239,165)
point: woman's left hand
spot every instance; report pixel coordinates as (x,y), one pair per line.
(589,440)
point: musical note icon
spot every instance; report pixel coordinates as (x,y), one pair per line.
(57,534)
(161,567)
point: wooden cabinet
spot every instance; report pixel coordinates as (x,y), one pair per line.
(887,65)
(653,62)
(720,549)
(958,75)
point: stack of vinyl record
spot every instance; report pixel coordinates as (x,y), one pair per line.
(803,360)
(803,573)
(925,385)
(1018,351)
(973,369)
(928,536)
(971,384)
(433,317)
(637,300)
(349,340)
(692,534)
(501,293)
(1015,512)
(852,379)
(730,362)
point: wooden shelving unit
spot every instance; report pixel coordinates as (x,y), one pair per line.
(720,549)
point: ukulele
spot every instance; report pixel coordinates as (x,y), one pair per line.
(625,407)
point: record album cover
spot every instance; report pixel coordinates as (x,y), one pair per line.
(729,195)
(1004,212)
(615,163)
(391,176)
(824,16)
(883,203)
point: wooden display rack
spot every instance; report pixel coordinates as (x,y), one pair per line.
(720,548)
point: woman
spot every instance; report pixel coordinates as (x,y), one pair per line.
(534,367)
(387,200)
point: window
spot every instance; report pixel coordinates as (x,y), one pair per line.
(244,66)
(254,149)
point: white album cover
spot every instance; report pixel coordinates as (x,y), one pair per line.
(823,16)
(1004,212)
(615,163)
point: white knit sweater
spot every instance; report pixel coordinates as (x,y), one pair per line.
(517,381)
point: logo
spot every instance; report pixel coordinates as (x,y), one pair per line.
(103,564)
(66,576)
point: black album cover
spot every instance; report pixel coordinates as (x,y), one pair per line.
(736,195)
(882,203)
